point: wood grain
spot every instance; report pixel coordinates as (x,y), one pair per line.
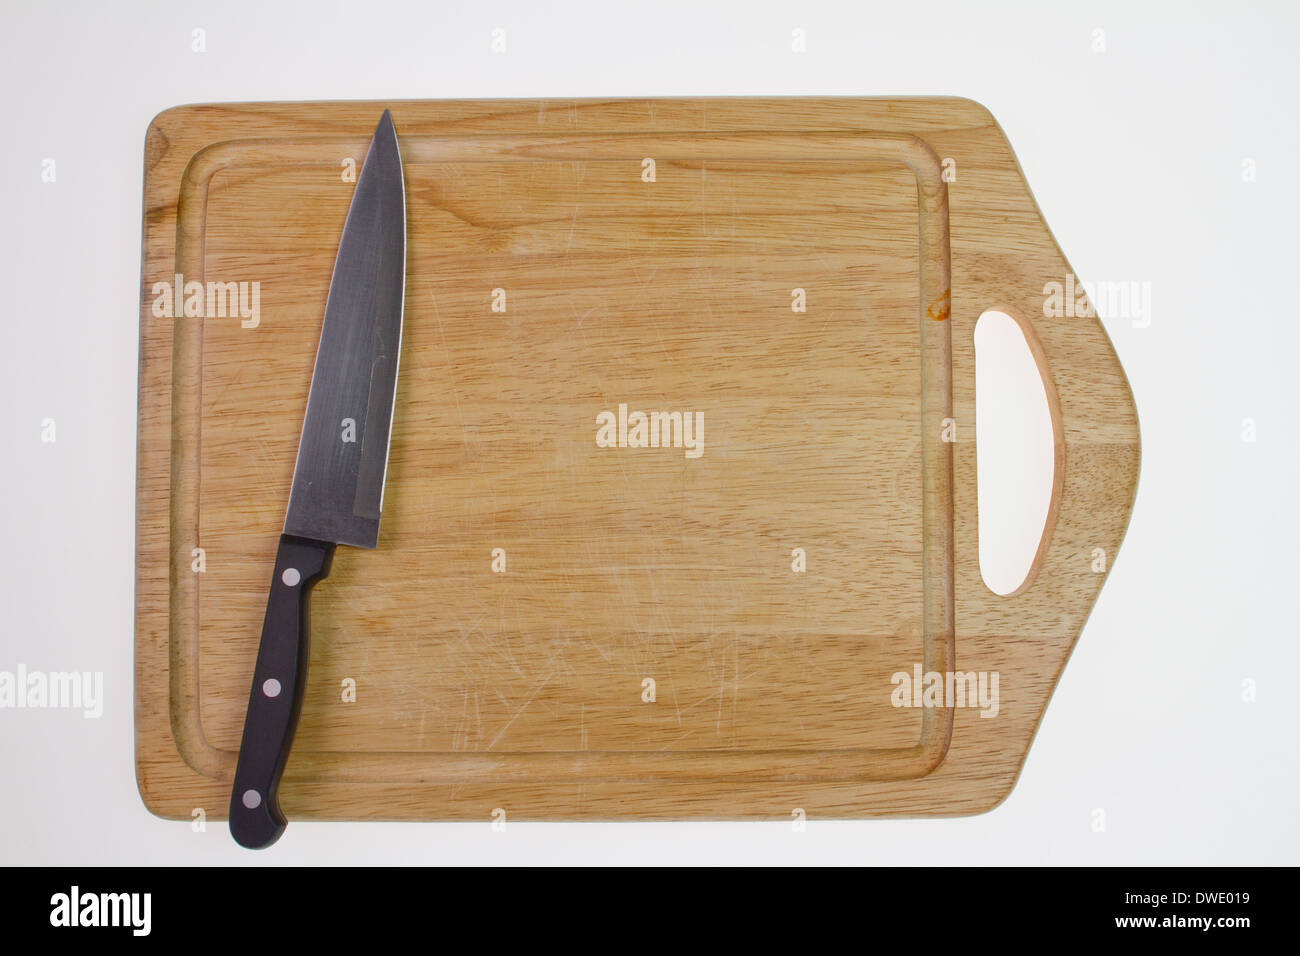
(523,690)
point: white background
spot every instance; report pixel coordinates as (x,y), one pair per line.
(1135,157)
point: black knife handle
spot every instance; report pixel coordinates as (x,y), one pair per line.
(276,696)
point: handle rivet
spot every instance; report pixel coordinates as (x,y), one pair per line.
(291,576)
(271,687)
(252,799)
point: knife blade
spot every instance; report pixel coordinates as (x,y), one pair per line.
(337,495)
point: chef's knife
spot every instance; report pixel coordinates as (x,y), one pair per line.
(338,483)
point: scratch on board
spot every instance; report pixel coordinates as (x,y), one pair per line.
(451,374)
(519,710)
(704,212)
(572,226)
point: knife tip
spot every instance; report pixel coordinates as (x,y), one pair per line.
(385,131)
(385,126)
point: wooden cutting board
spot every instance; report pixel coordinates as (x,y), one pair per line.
(556,629)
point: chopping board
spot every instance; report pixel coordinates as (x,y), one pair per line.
(569,617)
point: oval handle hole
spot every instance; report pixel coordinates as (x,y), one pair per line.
(1014,451)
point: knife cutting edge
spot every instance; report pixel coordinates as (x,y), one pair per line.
(337,495)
